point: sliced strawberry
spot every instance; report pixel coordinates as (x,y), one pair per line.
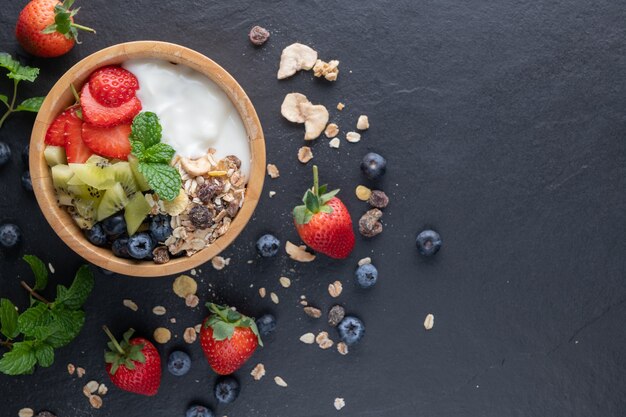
(75,149)
(55,135)
(96,114)
(112,86)
(111,142)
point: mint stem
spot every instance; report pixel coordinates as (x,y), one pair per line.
(33,293)
(316,183)
(115,343)
(11,107)
(6,343)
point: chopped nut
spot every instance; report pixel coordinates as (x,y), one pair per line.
(196,167)
(192,300)
(307,338)
(304,303)
(80,372)
(91,387)
(184,285)
(363,193)
(335,289)
(70,369)
(258,372)
(272,171)
(335,315)
(365,261)
(95,401)
(218,262)
(262,292)
(159,310)
(342,348)
(274,297)
(258,35)
(363,123)
(316,313)
(353,137)
(334,143)
(332,130)
(26,412)
(378,199)
(305,154)
(340,106)
(279,381)
(272,193)
(429,322)
(197,328)
(294,58)
(173,320)
(176,206)
(102,389)
(130,304)
(190,335)
(162,335)
(328,70)
(285,282)
(339,403)
(298,253)
(369,226)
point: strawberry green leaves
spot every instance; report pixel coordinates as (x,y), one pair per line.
(123,353)
(63,23)
(315,201)
(154,157)
(224,320)
(18,72)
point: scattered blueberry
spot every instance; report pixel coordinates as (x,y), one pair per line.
(120,247)
(106,271)
(160,227)
(366,275)
(266,324)
(96,235)
(114,225)
(373,165)
(25,153)
(178,363)
(428,242)
(351,330)
(198,411)
(267,245)
(5,153)
(226,389)
(26,181)
(10,235)
(140,246)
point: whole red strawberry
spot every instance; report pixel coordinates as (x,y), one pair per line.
(228,339)
(323,222)
(46,28)
(134,365)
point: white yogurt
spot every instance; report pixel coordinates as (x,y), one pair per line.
(195,113)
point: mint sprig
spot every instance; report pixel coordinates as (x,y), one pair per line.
(18,72)
(154,157)
(32,336)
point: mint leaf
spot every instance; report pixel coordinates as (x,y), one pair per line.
(161,153)
(137,148)
(17,71)
(44,354)
(40,271)
(75,296)
(4,99)
(8,319)
(37,316)
(163,179)
(20,360)
(146,129)
(66,325)
(30,104)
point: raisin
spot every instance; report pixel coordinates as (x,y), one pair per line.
(232,209)
(369,226)
(45,414)
(233,161)
(200,217)
(258,35)
(378,199)
(160,255)
(335,315)
(207,191)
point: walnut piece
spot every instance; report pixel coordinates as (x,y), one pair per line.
(328,70)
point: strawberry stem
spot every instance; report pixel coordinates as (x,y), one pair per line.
(113,340)
(33,293)
(81,27)
(316,183)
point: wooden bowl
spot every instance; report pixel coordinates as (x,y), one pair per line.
(61,96)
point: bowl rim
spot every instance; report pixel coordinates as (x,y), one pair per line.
(60,96)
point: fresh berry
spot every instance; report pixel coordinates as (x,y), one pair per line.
(120,247)
(228,339)
(366,275)
(25,154)
(267,246)
(226,389)
(323,222)
(46,28)
(96,114)
(140,246)
(134,364)
(351,330)
(106,271)
(27,183)
(160,227)
(5,153)
(96,235)
(111,142)
(112,86)
(10,235)
(178,363)
(428,242)
(76,150)
(266,324)
(373,165)
(199,411)
(55,135)
(114,226)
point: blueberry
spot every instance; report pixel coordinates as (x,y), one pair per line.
(199,411)
(266,324)
(351,330)
(5,153)
(10,235)
(160,227)
(373,165)
(428,242)
(106,271)
(226,389)
(96,235)
(267,245)
(26,181)
(140,246)
(114,225)
(178,363)
(366,275)
(25,153)
(120,247)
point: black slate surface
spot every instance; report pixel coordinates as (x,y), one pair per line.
(503,125)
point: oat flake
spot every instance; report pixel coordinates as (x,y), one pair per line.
(95,401)
(258,372)
(159,310)
(130,304)
(335,289)
(339,403)
(285,282)
(26,412)
(279,381)
(274,297)
(307,338)
(429,322)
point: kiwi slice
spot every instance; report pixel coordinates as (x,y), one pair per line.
(61,175)
(124,175)
(114,200)
(142,184)
(135,212)
(84,192)
(98,161)
(55,155)
(87,209)
(64,199)
(94,175)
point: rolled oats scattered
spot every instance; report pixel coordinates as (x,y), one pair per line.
(353,137)
(342,348)
(130,304)
(316,313)
(86,392)
(363,122)
(304,302)
(340,106)
(218,263)
(298,253)
(51,268)
(272,193)
(91,387)
(365,261)
(102,389)
(184,285)
(274,297)
(323,341)
(192,300)
(335,289)
(173,320)
(334,143)
(332,130)
(279,381)
(305,154)
(285,282)
(162,335)
(95,401)
(272,171)
(429,322)
(71,369)
(339,403)
(26,412)
(258,372)
(190,335)
(159,310)
(335,315)
(262,292)
(80,372)
(307,338)
(363,193)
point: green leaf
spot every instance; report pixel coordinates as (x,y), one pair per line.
(4,99)
(20,360)
(322,189)
(8,319)
(137,148)
(161,153)
(16,70)
(163,179)
(44,354)
(33,318)
(302,215)
(146,129)
(62,20)
(325,198)
(49,29)
(312,202)
(222,330)
(75,296)
(32,104)
(39,269)
(66,325)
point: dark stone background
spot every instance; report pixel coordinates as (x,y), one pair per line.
(503,126)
